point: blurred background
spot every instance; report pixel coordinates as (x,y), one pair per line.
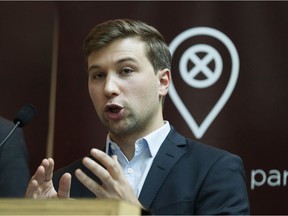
(242,106)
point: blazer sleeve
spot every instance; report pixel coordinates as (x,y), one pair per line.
(224,189)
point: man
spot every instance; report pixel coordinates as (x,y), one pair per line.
(147,162)
(14,169)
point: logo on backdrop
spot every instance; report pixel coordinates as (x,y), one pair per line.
(201,66)
(268,178)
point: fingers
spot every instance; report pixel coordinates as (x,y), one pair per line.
(111,177)
(37,178)
(93,186)
(41,185)
(105,175)
(39,175)
(115,185)
(49,170)
(31,189)
(98,170)
(44,173)
(64,186)
(111,164)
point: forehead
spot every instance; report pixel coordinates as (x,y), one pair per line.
(120,48)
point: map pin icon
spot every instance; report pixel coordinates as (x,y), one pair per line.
(212,77)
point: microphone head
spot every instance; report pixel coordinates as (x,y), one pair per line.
(25,115)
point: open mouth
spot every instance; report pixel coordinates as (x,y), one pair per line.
(114,112)
(113,108)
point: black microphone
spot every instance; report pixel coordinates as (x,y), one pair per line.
(23,117)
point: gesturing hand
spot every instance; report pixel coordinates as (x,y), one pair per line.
(115,185)
(41,185)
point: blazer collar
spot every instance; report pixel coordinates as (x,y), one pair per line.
(168,154)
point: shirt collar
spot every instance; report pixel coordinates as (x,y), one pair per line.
(153,140)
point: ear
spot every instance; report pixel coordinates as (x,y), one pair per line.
(164,81)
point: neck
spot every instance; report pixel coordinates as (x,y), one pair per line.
(127,142)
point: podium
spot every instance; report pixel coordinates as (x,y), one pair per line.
(67,207)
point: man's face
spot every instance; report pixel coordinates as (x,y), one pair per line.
(124,88)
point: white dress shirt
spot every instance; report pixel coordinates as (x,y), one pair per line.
(146,149)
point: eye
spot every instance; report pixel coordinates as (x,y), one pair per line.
(126,71)
(97,76)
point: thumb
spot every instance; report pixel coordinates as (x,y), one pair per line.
(64,186)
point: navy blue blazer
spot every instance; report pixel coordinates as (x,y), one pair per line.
(186,177)
(14,168)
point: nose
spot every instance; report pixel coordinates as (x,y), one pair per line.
(111,88)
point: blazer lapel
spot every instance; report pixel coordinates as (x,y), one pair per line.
(168,154)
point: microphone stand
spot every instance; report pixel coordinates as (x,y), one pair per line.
(11,132)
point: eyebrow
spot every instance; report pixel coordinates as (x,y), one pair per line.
(117,62)
(93,67)
(126,59)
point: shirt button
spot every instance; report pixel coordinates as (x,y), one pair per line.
(130,170)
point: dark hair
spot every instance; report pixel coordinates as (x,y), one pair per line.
(157,50)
